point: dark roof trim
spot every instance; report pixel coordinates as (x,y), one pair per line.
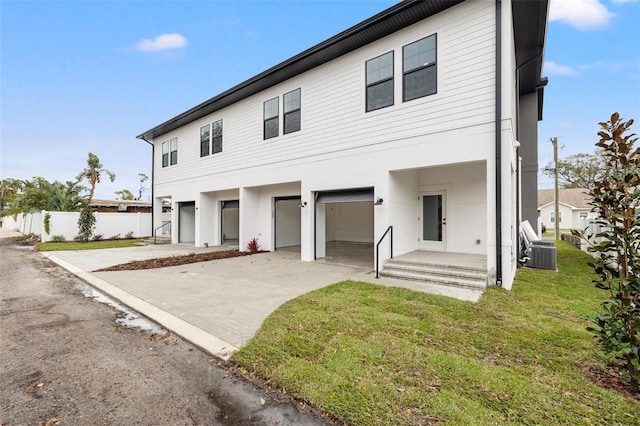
(384,23)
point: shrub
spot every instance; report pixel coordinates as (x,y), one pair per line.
(616,200)
(58,238)
(47,223)
(129,235)
(86,224)
(115,237)
(253,246)
(97,237)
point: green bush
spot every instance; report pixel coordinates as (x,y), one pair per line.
(616,200)
(58,238)
(86,224)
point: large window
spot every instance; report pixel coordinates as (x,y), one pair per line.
(165,154)
(271,123)
(291,111)
(380,82)
(216,130)
(173,155)
(170,152)
(419,68)
(204,141)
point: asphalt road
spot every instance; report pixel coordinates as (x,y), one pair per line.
(63,356)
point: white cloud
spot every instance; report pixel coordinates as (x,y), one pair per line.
(580,14)
(162,42)
(551,68)
(624,1)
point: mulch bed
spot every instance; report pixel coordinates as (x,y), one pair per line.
(610,379)
(163,262)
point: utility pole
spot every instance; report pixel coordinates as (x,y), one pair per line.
(554,141)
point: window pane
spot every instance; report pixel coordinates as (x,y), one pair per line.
(174,151)
(292,122)
(217,144)
(271,128)
(165,147)
(380,95)
(421,82)
(380,68)
(271,108)
(204,141)
(165,159)
(216,129)
(292,101)
(419,54)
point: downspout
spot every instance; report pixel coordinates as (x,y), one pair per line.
(498,143)
(153,170)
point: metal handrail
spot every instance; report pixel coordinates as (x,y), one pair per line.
(155,231)
(389,229)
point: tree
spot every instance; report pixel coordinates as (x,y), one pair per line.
(578,170)
(124,194)
(616,200)
(40,194)
(143,179)
(93,174)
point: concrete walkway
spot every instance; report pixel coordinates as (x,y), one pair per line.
(220,304)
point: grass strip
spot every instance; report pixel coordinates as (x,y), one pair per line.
(90,245)
(370,355)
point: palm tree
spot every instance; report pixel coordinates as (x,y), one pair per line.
(93,172)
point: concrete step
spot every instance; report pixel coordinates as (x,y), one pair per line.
(465,276)
(467,267)
(159,239)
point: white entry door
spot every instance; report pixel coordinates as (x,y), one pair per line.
(432,221)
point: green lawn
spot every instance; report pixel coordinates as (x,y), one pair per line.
(372,355)
(91,245)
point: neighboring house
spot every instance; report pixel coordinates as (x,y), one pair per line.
(122,206)
(574,209)
(423,117)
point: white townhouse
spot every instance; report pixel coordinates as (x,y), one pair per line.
(422,118)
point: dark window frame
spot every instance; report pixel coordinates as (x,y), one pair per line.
(173,159)
(271,119)
(216,140)
(413,71)
(204,142)
(165,154)
(292,112)
(378,83)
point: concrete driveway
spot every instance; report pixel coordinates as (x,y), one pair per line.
(220,304)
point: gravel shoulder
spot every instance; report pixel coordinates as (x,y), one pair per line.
(64,357)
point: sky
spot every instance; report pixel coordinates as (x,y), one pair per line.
(89,76)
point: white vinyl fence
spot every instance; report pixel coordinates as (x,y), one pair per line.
(108,225)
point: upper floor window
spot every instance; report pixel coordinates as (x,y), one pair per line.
(291,111)
(380,82)
(204,141)
(419,68)
(170,152)
(173,155)
(216,130)
(271,122)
